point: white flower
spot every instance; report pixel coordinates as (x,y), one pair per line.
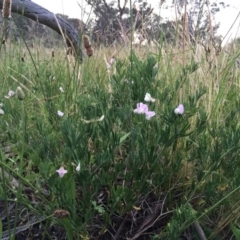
(179,109)
(155,66)
(10,94)
(60,114)
(148,98)
(108,64)
(1,112)
(61,90)
(112,61)
(144,42)
(78,167)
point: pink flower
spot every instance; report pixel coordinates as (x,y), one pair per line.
(179,109)
(61,171)
(141,108)
(150,114)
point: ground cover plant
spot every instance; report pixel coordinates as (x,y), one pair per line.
(144,145)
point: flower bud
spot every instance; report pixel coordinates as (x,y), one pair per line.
(20,94)
(78,167)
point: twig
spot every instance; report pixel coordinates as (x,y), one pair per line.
(116,236)
(197,226)
(199,231)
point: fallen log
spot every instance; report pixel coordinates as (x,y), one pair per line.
(37,13)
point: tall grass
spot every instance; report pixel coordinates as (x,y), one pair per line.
(156,178)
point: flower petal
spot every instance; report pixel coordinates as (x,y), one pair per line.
(61,90)
(138,111)
(108,65)
(150,114)
(78,167)
(148,98)
(11,93)
(60,114)
(61,171)
(141,108)
(144,107)
(179,109)
(112,60)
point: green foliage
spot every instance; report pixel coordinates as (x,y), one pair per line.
(181,216)
(236,231)
(128,163)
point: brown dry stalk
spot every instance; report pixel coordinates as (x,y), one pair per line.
(6,10)
(87,45)
(69,51)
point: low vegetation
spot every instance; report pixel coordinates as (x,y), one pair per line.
(133,143)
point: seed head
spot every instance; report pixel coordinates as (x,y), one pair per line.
(61,213)
(87,45)
(6,10)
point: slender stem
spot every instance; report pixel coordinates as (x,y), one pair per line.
(27,49)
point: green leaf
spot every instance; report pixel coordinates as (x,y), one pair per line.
(98,208)
(12,237)
(236,232)
(123,138)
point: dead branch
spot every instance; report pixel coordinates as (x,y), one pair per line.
(39,14)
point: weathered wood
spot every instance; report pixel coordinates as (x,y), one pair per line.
(39,14)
